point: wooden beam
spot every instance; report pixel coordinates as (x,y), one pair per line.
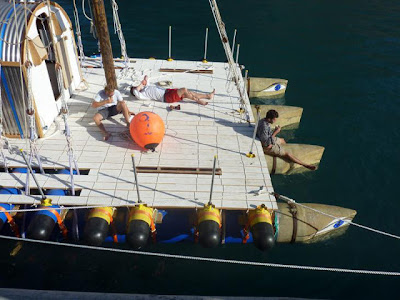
(178,170)
(187,71)
(10,64)
(105,44)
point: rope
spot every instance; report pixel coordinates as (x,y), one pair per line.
(287,199)
(71,156)
(84,11)
(93,30)
(3,157)
(118,30)
(82,57)
(209,259)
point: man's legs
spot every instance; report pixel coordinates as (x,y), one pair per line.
(122,107)
(278,151)
(97,119)
(185,93)
(294,159)
(281,141)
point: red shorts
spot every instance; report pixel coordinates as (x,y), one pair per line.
(171,96)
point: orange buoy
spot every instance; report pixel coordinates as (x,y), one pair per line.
(147,130)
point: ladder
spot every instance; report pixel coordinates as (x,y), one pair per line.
(237,75)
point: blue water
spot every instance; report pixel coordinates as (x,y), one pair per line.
(342,62)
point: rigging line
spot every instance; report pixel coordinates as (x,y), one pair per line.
(287,199)
(118,31)
(93,29)
(19,43)
(208,259)
(79,35)
(31,11)
(26,49)
(84,12)
(3,157)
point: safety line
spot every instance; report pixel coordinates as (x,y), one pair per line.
(209,259)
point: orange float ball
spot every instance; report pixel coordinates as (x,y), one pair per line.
(147,130)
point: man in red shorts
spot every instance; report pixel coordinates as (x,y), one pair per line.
(143,91)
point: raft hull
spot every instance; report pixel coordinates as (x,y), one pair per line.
(289,116)
(310,154)
(258,87)
(310,226)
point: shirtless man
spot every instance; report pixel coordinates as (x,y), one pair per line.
(109,103)
(143,91)
(271,143)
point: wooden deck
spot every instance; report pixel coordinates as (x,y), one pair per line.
(193,136)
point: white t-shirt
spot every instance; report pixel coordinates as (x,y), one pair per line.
(101,96)
(150,93)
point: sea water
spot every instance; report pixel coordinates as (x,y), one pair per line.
(342,62)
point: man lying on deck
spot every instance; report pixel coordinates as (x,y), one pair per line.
(109,103)
(143,91)
(271,143)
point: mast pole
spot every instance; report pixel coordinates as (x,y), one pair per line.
(105,43)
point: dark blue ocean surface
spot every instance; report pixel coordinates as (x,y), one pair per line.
(342,60)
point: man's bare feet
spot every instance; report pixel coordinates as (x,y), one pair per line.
(144,81)
(106,136)
(211,95)
(202,102)
(310,167)
(178,107)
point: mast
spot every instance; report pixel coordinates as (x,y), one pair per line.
(105,43)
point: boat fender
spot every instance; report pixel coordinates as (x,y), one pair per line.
(6,217)
(140,225)
(97,225)
(259,222)
(43,222)
(209,224)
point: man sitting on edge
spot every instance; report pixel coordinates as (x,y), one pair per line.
(109,103)
(271,143)
(143,91)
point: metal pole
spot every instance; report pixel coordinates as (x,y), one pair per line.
(237,53)
(212,180)
(233,41)
(27,189)
(251,154)
(169,44)
(33,175)
(136,181)
(246,73)
(205,47)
